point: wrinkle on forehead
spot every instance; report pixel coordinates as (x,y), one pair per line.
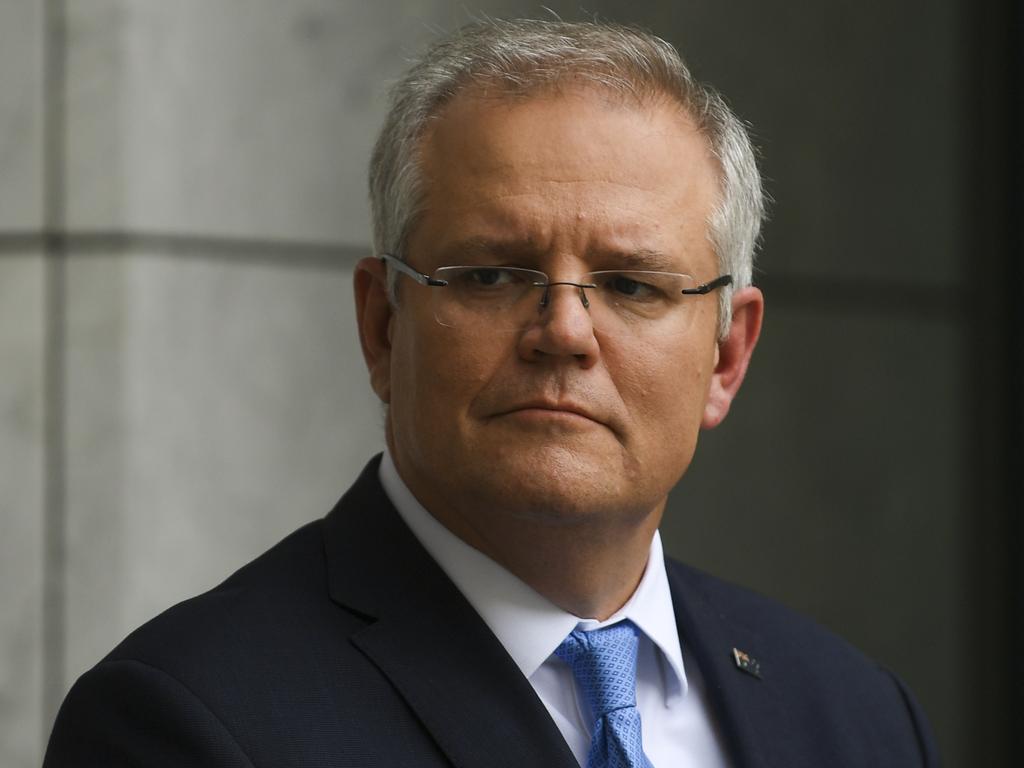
(557,171)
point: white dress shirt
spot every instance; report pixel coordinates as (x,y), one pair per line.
(677,728)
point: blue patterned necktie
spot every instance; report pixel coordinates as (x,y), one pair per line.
(603,662)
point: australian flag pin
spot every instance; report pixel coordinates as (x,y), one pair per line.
(746,663)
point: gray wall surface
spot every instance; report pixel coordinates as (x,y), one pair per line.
(182,198)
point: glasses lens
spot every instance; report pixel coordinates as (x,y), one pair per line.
(496,297)
(640,303)
(620,302)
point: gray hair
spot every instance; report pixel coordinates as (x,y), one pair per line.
(527,55)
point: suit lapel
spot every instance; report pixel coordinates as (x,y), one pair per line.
(746,706)
(429,641)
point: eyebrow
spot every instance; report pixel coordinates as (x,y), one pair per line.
(516,249)
(642,258)
(488,246)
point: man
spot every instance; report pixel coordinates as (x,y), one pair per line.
(561,299)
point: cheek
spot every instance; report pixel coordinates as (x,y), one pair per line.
(438,374)
(665,390)
(411,379)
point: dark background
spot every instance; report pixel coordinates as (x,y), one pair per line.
(871,471)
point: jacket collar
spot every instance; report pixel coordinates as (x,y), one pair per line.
(429,642)
(736,666)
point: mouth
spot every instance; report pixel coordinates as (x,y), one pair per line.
(546,411)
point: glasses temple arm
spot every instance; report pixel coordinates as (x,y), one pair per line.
(419,277)
(719,282)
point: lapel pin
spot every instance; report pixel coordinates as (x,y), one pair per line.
(746,663)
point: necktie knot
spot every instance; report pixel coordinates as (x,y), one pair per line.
(603,661)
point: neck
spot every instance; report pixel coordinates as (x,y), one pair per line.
(589,567)
(587,556)
(587,570)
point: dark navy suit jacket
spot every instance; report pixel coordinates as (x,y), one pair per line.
(346,645)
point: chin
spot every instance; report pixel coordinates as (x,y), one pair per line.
(558,483)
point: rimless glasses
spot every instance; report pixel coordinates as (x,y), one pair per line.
(620,301)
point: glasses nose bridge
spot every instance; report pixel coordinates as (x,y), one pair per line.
(545,298)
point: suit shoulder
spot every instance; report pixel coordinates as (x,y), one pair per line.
(822,682)
(268,599)
(811,659)
(767,618)
(123,713)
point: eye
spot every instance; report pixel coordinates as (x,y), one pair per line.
(488,279)
(626,286)
(490,276)
(631,286)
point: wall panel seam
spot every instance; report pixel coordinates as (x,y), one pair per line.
(54,481)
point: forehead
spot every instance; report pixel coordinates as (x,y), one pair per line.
(568,169)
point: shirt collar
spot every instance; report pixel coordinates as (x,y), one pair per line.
(528,625)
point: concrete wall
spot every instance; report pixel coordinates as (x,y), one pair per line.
(23,353)
(181,382)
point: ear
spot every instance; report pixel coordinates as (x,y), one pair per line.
(373,314)
(734,354)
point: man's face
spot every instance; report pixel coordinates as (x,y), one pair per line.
(558,421)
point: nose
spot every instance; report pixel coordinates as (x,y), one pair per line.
(562,328)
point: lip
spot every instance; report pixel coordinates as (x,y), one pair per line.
(547,409)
